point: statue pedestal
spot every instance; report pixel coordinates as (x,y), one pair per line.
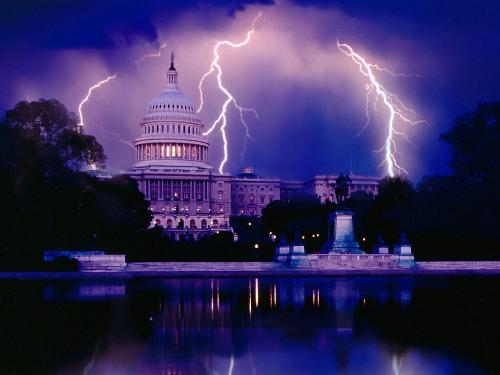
(282,252)
(404,249)
(406,259)
(381,249)
(343,237)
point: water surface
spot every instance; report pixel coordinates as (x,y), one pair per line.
(316,325)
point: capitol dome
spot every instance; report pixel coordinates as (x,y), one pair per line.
(171,131)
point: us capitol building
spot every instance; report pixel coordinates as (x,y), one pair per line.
(188,197)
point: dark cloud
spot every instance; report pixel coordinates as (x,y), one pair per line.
(310,98)
(92,23)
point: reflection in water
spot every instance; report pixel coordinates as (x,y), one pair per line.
(246,326)
(91,363)
(397,363)
(84,290)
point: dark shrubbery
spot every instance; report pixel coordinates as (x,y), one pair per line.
(47,202)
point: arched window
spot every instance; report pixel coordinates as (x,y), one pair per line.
(157,222)
(215,223)
(180,224)
(192,224)
(203,224)
(169,223)
(251,198)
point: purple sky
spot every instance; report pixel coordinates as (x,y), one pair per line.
(310,97)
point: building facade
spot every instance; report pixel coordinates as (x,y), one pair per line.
(188,197)
(172,167)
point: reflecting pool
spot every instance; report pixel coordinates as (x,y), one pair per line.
(315,325)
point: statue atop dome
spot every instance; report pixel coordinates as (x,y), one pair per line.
(172,74)
(172,56)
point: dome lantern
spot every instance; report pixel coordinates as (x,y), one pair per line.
(172,74)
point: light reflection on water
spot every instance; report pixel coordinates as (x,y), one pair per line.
(244,326)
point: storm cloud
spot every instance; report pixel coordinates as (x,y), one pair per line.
(309,96)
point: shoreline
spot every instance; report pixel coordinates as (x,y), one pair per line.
(420,270)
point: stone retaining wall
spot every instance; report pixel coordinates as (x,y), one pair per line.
(460,265)
(304,262)
(101,262)
(204,266)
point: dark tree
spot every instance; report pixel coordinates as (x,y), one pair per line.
(458,216)
(49,125)
(47,202)
(475,144)
(393,209)
(365,227)
(305,215)
(113,214)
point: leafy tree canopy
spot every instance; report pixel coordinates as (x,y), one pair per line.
(475,143)
(55,132)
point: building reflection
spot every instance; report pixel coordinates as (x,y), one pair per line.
(202,326)
(84,290)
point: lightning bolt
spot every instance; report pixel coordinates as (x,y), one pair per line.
(150,55)
(120,139)
(222,118)
(397,110)
(87,97)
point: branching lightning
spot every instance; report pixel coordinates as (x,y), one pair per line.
(150,55)
(89,94)
(397,110)
(118,137)
(222,118)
